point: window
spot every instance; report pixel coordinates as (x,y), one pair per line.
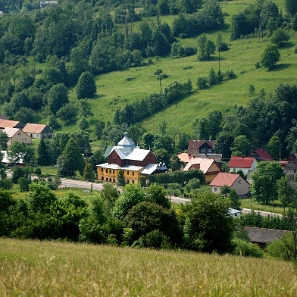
(133,173)
(215,189)
(202,150)
(19,133)
(209,150)
(239,182)
(101,169)
(127,172)
(106,171)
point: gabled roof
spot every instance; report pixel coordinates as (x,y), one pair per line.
(241,162)
(204,164)
(184,157)
(264,235)
(194,145)
(225,179)
(11,131)
(37,128)
(9,123)
(138,154)
(262,155)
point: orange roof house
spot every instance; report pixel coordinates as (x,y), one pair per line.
(209,167)
(38,130)
(10,124)
(232,180)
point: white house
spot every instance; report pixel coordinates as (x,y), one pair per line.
(15,134)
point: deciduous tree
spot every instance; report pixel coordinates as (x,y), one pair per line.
(264,181)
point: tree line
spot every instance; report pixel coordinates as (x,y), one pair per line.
(136,217)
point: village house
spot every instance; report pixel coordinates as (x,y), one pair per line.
(203,149)
(38,131)
(232,180)
(289,167)
(261,155)
(245,164)
(15,134)
(134,161)
(4,123)
(209,167)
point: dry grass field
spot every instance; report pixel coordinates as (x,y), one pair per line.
(33,268)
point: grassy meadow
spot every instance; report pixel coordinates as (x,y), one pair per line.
(34,268)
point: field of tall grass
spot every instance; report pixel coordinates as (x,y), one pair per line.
(34,268)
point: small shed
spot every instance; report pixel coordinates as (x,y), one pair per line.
(263,236)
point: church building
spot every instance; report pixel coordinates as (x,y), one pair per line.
(134,161)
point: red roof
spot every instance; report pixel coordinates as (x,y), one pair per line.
(224,178)
(263,154)
(241,162)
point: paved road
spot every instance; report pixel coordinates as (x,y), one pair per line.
(71,183)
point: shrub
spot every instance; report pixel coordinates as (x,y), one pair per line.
(246,249)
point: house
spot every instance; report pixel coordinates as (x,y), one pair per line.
(10,124)
(38,130)
(232,180)
(246,164)
(15,134)
(290,168)
(203,149)
(209,167)
(134,162)
(263,236)
(261,155)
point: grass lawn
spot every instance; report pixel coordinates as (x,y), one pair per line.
(253,204)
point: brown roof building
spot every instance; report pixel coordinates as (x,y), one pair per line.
(10,124)
(38,130)
(263,236)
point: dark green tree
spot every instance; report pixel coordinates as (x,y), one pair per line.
(279,37)
(121,179)
(86,87)
(241,146)
(285,192)
(3,141)
(68,113)
(43,157)
(291,7)
(208,225)
(270,56)
(264,181)
(206,47)
(57,97)
(273,147)
(88,173)
(71,160)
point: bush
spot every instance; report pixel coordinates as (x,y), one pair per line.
(247,249)
(157,240)
(295,49)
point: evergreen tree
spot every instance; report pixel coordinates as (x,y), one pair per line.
(43,157)
(71,159)
(88,172)
(86,87)
(121,179)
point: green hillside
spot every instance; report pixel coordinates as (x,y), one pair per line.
(116,89)
(34,268)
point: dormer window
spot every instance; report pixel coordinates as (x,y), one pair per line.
(202,150)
